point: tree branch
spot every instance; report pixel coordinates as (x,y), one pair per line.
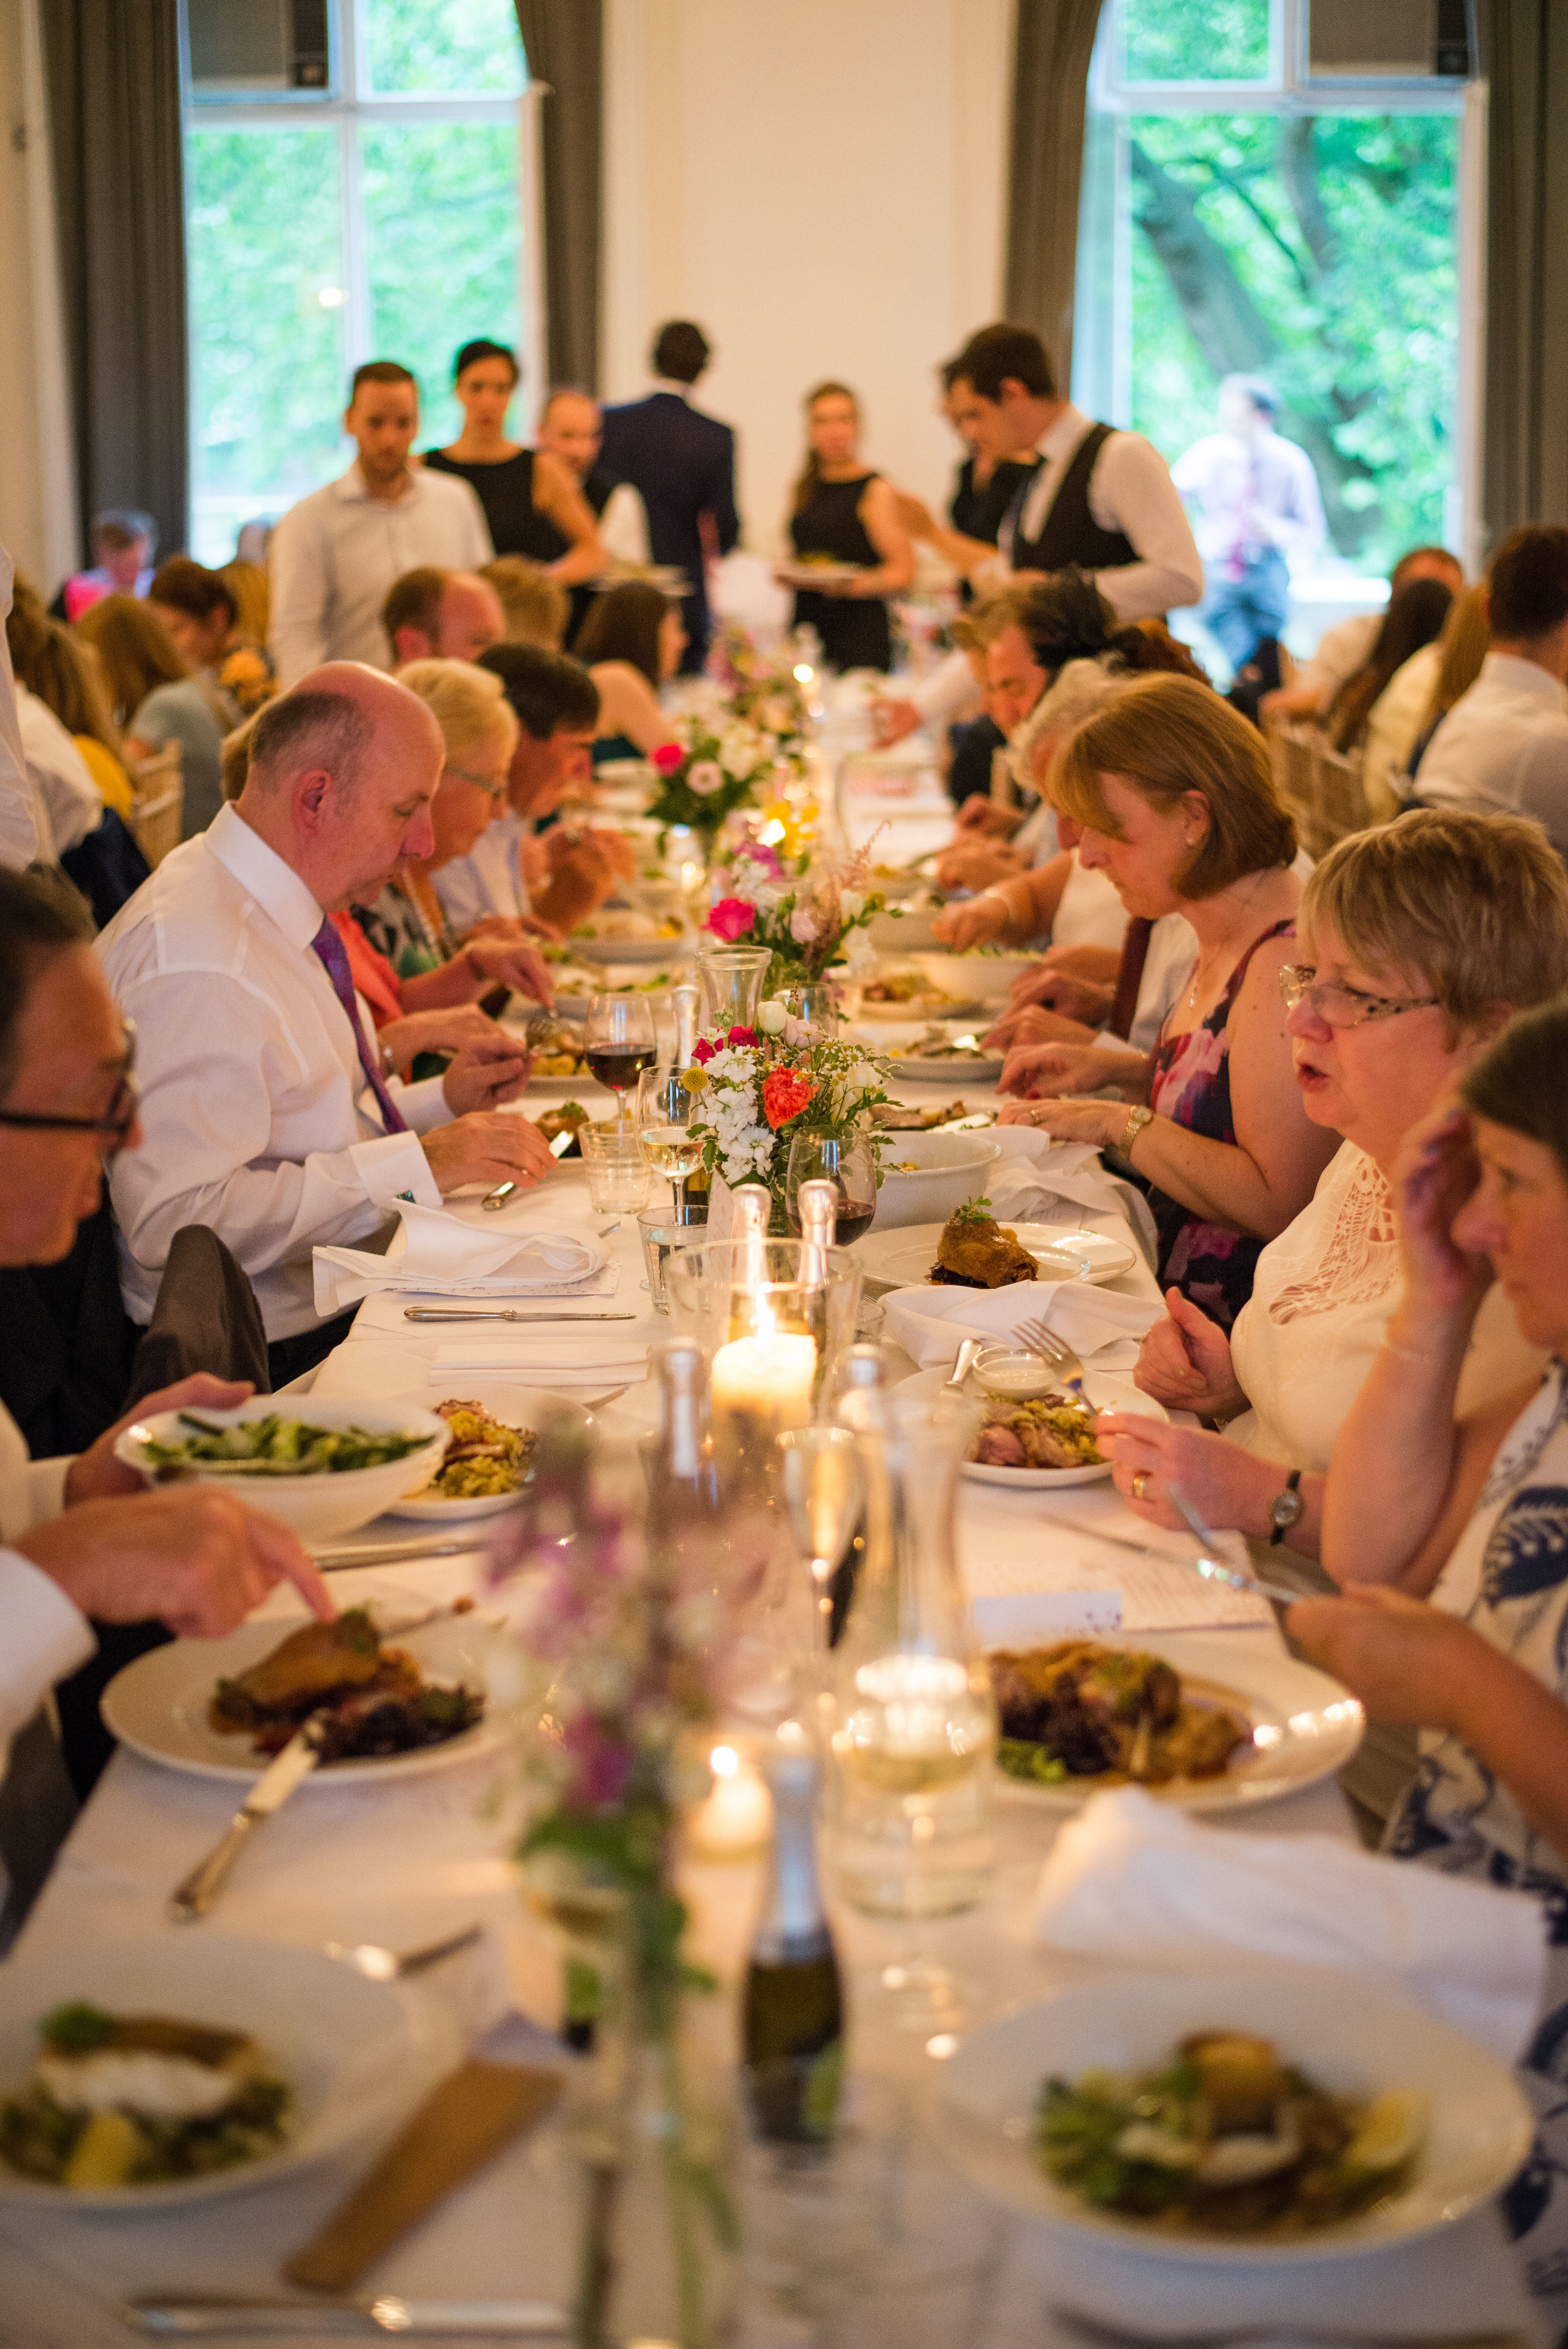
(1298,169)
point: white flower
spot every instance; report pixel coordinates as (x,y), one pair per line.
(851,903)
(770,1018)
(865,1077)
(740,752)
(707,776)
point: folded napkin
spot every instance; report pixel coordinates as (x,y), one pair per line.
(442,1255)
(1134,1876)
(544,1361)
(1033,1173)
(1105,1330)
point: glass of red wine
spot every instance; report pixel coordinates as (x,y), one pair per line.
(851,1168)
(619,1043)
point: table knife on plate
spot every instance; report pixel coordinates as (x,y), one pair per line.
(185,2317)
(271,1790)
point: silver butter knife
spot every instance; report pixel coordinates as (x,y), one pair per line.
(1211,1569)
(271,1790)
(466,1313)
(188,2319)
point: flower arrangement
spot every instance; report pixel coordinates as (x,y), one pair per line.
(805,917)
(758,1091)
(714,763)
(765,688)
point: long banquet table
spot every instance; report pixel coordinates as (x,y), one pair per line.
(407,1864)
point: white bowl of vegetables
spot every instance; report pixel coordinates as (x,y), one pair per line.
(322,1467)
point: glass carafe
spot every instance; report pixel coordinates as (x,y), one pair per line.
(915,1736)
(731,979)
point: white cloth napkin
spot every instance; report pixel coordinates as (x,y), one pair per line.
(1032,1174)
(1105,1330)
(445,1256)
(1132,1875)
(581,1362)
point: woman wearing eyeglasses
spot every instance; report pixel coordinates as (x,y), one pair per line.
(1417,942)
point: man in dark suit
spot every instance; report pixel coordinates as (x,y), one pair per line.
(681,463)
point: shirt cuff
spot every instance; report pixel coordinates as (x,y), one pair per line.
(394,1167)
(46,1638)
(424,1104)
(46,1487)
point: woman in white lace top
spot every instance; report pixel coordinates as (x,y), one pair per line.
(1418,940)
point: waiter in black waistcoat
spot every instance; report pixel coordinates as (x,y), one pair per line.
(681,464)
(1100,499)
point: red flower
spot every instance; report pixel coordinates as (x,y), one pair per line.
(730,918)
(667,758)
(741,1036)
(785,1094)
(703,1050)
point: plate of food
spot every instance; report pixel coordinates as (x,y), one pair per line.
(938,1057)
(987,972)
(560,1063)
(973,1250)
(394,1704)
(1038,1437)
(489,1458)
(138,2075)
(632,939)
(905,995)
(1181,1713)
(817,571)
(916,1117)
(326,1471)
(1241,2118)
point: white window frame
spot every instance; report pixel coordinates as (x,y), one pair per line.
(1290,88)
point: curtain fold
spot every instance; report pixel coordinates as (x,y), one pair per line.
(1524,56)
(565,44)
(113,78)
(1053,44)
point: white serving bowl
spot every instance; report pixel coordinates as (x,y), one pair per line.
(975,977)
(952,1169)
(318,1508)
(1349,2033)
(892,933)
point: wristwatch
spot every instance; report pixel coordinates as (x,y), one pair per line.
(1285,1508)
(1137,1118)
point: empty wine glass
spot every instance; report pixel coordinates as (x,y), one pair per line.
(664,1114)
(848,1164)
(618,1043)
(824,1494)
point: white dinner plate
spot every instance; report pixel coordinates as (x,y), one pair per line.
(1349,2034)
(930,1068)
(919,1007)
(519,1407)
(157,1706)
(562,1088)
(818,575)
(1105,1392)
(633,954)
(357,2054)
(1304,1726)
(907,1253)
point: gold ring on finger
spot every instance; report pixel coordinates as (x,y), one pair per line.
(1140,1485)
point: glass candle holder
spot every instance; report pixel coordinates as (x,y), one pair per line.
(773,1340)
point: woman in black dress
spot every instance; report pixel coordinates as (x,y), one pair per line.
(531,504)
(849,516)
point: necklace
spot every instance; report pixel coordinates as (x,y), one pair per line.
(1200,970)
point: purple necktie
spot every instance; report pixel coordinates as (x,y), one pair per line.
(335,958)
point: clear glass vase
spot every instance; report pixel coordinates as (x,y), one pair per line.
(731,982)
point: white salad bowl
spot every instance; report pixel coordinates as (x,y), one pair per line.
(317,1507)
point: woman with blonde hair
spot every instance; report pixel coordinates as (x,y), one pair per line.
(48,660)
(158,699)
(842,512)
(1174,799)
(1466,642)
(537,607)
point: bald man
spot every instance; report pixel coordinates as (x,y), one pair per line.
(266,1112)
(435,615)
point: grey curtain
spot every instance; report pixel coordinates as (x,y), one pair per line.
(1524,54)
(1050,87)
(113,71)
(564,41)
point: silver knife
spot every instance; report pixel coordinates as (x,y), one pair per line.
(188,2318)
(479,1313)
(1211,1568)
(271,1790)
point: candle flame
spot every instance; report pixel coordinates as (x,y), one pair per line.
(724,1761)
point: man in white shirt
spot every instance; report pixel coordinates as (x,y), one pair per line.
(1504,746)
(1342,648)
(266,1112)
(82,1537)
(1256,498)
(335,555)
(1101,500)
(431,613)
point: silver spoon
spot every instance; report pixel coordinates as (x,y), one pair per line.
(378,1964)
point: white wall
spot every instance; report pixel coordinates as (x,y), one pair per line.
(820,183)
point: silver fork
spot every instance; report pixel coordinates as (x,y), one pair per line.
(1060,1356)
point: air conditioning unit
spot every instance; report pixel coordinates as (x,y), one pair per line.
(1375,40)
(240,47)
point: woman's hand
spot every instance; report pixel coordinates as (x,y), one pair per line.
(495,961)
(979,923)
(980,814)
(1030,1025)
(96,1475)
(1407,1662)
(975,863)
(1185,1363)
(1227,1487)
(1434,1175)
(1047,1071)
(1058,982)
(1100,1123)
(513,928)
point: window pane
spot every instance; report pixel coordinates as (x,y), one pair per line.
(1320,253)
(460,45)
(1172,40)
(441,235)
(265,267)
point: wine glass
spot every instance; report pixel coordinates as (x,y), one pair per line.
(618,1043)
(851,1168)
(664,1114)
(824,1495)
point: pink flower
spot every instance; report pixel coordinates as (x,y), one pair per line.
(667,757)
(601,1766)
(741,1036)
(707,776)
(703,1050)
(730,918)
(803,925)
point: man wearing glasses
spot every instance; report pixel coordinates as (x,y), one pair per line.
(80,1536)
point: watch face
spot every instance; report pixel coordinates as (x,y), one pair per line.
(1286,1507)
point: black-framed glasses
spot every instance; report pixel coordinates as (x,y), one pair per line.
(1338,1005)
(119,1114)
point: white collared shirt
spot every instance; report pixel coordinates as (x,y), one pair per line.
(333,556)
(42,1635)
(1233,481)
(1129,490)
(489,879)
(258,1119)
(1504,748)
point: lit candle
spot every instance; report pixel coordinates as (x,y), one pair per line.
(737,1819)
(770,1375)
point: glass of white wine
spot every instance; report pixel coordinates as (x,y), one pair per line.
(664,1114)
